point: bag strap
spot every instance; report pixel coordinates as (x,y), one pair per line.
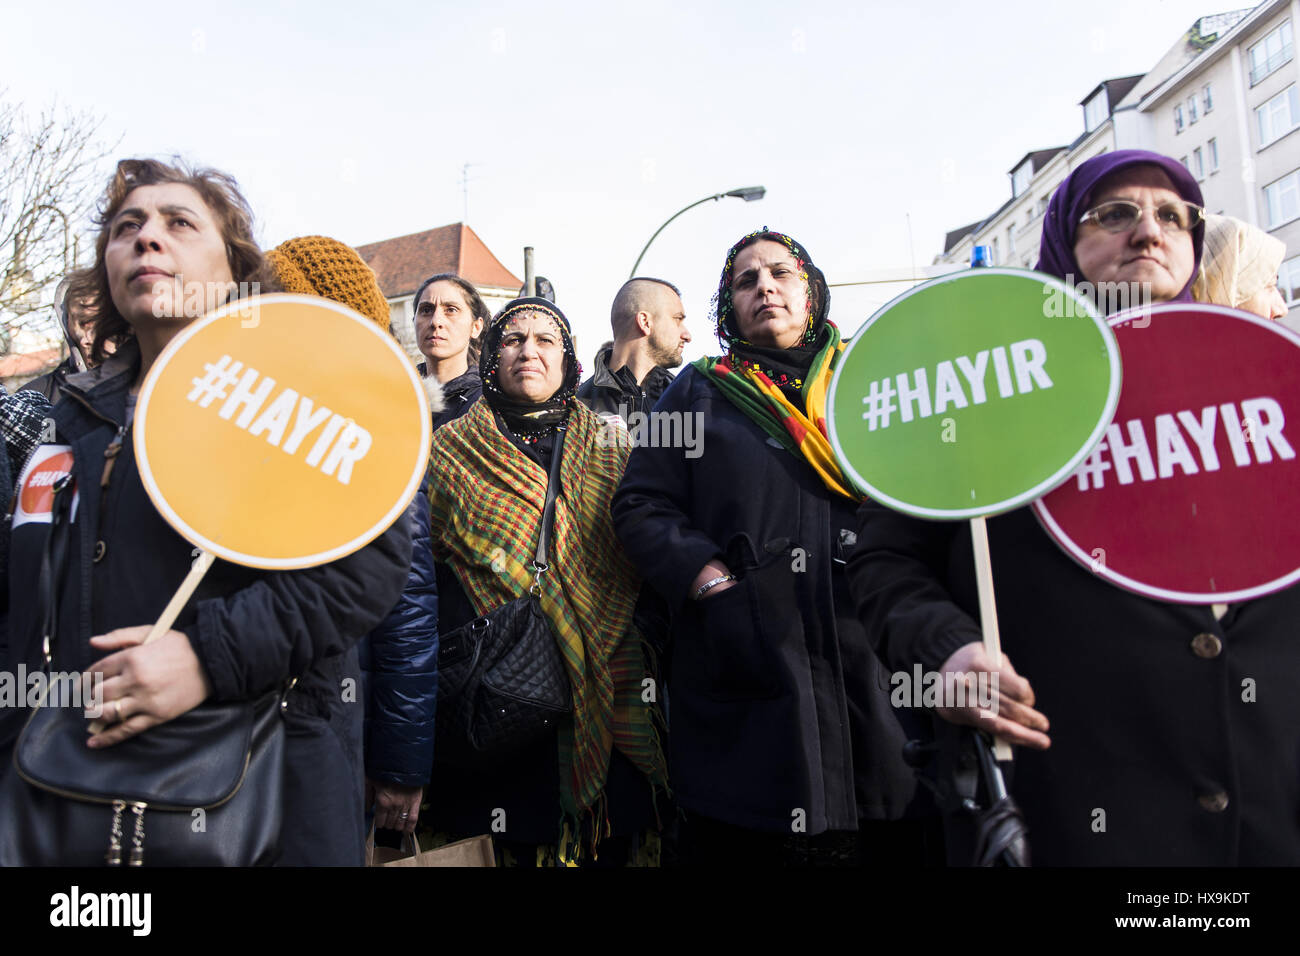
(541,555)
(53,561)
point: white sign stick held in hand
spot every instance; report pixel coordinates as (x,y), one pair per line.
(988,611)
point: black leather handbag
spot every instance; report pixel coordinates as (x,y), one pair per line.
(502,683)
(202,789)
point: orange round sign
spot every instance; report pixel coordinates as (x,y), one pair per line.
(282,431)
(37,495)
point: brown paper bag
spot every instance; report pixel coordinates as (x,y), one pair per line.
(476,851)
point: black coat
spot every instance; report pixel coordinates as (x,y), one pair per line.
(251,630)
(399,670)
(458,395)
(618,393)
(776,702)
(1145,698)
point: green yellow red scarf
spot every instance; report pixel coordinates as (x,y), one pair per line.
(801,432)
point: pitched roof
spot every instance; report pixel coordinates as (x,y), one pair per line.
(1039,158)
(403,263)
(957,235)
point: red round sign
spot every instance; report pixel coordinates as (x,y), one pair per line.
(1192,495)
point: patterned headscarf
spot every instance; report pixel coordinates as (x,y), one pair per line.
(818,292)
(1240,261)
(783,391)
(528,418)
(1073,197)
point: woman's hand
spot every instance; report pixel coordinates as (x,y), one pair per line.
(396,807)
(1012,716)
(714,569)
(144,685)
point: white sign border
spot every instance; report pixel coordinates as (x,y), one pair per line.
(1044,486)
(240,307)
(1104,571)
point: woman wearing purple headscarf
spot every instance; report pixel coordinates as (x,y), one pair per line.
(1153,757)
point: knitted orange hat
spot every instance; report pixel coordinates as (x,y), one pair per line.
(320,266)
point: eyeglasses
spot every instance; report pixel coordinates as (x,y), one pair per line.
(1121,215)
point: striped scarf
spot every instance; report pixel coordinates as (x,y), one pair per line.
(802,433)
(486,510)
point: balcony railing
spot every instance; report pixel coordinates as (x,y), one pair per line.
(1262,70)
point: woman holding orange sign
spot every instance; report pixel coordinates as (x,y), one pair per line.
(174,244)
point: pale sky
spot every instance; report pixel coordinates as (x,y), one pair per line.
(592,123)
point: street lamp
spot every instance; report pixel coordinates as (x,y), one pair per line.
(747,193)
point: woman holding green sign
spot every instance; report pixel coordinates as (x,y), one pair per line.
(1155,754)
(784,747)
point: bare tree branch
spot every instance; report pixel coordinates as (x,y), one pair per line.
(51,169)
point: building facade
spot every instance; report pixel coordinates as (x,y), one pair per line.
(1222,100)
(403,263)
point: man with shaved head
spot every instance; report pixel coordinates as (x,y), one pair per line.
(649,325)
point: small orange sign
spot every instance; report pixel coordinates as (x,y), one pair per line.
(286,442)
(46,466)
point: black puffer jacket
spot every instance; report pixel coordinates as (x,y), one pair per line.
(250,629)
(778,710)
(399,670)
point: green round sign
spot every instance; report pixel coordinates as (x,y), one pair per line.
(973,393)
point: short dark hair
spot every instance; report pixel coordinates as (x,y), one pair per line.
(631,299)
(478,309)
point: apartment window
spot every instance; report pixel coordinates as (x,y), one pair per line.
(1011,242)
(1192,116)
(1207,98)
(1186,165)
(1178,118)
(1271,52)
(1021,177)
(1288,281)
(1282,199)
(1278,116)
(994,253)
(1212,147)
(1198,164)
(1095,111)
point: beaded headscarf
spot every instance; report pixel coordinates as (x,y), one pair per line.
(723,314)
(528,419)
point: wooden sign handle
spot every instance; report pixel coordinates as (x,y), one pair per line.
(182,595)
(172,610)
(988,611)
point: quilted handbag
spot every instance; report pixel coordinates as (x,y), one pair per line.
(502,683)
(202,789)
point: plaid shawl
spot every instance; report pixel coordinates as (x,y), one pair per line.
(486,509)
(802,433)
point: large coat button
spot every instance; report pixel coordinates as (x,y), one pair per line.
(1214,802)
(1206,645)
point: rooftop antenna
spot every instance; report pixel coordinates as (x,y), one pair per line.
(464,186)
